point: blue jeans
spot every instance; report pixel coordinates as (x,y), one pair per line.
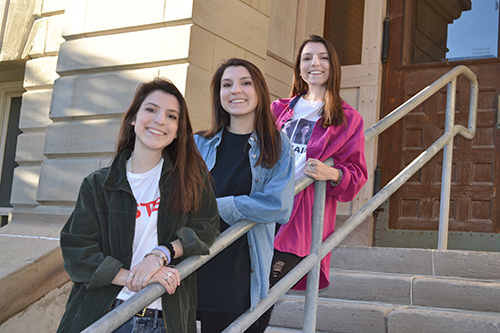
(143,325)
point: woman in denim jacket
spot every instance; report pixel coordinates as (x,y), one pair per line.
(252,165)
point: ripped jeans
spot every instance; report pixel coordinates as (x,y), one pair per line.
(283,262)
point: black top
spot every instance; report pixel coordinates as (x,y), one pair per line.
(224,281)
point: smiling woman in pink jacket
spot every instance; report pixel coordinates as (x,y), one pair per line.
(337,131)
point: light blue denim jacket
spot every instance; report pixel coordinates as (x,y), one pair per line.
(270,201)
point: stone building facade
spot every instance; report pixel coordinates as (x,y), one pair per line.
(74,65)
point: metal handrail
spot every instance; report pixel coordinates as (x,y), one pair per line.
(319,249)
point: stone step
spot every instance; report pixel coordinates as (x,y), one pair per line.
(448,293)
(428,262)
(349,316)
(415,320)
(475,295)
(332,316)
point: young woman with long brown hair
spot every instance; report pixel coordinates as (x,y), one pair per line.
(337,132)
(150,209)
(252,165)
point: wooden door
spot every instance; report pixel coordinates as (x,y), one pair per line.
(415,60)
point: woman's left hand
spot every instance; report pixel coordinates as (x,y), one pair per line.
(320,171)
(168,277)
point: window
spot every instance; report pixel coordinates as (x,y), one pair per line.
(10,110)
(455,30)
(344,29)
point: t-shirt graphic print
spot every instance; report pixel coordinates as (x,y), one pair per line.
(299,129)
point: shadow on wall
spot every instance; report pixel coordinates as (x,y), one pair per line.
(86,109)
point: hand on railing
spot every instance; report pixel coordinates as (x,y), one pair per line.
(168,277)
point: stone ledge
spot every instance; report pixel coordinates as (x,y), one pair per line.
(43,315)
(332,316)
(31,264)
(456,294)
(410,320)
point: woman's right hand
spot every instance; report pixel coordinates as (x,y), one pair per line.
(141,274)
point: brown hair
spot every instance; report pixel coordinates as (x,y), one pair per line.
(332,112)
(268,136)
(188,166)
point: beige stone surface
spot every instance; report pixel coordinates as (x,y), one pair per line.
(362,235)
(74,19)
(53,6)
(202,49)
(40,72)
(30,266)
(360,75)
(350,96)
(282,25)
(257,61)
(30,147)
(178,10)
(35,109)
(17,26)
(60,179)
(177,74)
(82,137)
(97,94)
(235,22)
(43,315)
(106,93)
(225,50)
(54,35)
(277,89)
(310,19)
(24,186)
(198,97)
(372,31)
(12,75)
(128,15)
(261,5)
(122,50)
(280,70)
(35,45)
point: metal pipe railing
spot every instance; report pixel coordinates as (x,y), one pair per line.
(424,94)
(137,302)
(319,249)
(312,288)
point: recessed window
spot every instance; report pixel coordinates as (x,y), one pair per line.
(344,29)
(449,30)
(8,144)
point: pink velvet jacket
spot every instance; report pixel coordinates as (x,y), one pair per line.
(346,143)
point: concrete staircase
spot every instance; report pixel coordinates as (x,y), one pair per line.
(389,290)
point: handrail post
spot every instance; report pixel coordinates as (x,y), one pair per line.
(444,208)
(312,288)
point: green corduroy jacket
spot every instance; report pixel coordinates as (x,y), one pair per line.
(97,241)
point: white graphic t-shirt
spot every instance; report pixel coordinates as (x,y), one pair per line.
(299,129)
(147,194)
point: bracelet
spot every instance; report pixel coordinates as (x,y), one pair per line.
(159,256)
(168,256)
(170,247)
(332,183)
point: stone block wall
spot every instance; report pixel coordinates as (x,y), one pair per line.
(31,37)
(110,47)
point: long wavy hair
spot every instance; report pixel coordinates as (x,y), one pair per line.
(332,112)
(268,137)
(188,166)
